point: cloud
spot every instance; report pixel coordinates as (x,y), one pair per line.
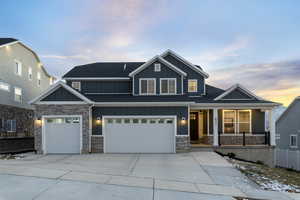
(278,81)
(229,51)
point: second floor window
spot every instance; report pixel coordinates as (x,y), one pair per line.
(30,73)
(147,86)
(168,86)
(293,141)
(76,85)
(157,67)
(39,78)
(4,86)
(192,85)
(18,66)
(18,94)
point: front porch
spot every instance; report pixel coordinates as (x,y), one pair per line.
(231,126)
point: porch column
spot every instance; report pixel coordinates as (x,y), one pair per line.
(272,128)
(215,127)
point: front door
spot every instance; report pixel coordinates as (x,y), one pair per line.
(194,126)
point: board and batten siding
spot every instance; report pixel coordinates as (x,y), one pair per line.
(166,72)
(61,94)
(155,111)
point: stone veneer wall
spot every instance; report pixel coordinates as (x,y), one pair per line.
(24,121)
(237,140)
(82,110)
(183,143)
(97,144)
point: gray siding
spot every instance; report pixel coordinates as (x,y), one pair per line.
(237,94)
(113,86)
(179,111)
(191,74)
(165,72)
(289,124)
(30,88)
(61,94)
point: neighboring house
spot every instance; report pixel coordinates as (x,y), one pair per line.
(22,77)
(288,141)
(159,106)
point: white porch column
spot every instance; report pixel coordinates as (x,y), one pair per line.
(215,127)
(272,128)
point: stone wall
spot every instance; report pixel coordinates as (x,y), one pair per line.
(96,144)
(82,110)
(183,143)
(24,121)
(236,140)
(15,145)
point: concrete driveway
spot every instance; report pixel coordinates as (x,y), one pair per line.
(195,175)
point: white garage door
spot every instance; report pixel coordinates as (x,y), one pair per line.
(139,135)
(62,135)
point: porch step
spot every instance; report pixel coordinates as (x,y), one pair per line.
(202,148)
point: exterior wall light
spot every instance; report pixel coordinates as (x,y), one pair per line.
(38,121)
(183,121)
(98,121)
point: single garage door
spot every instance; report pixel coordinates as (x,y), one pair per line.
(139,135)
(62,135)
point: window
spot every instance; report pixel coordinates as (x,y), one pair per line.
(168,86)
(30,73)
(147,86)
(229,121)
(192,85)
(2,124)
(18,94)
(4,86)
(76,85)
(18,68)
(157,67)
(39,78)
(293,141)
(11,125)
(244,123)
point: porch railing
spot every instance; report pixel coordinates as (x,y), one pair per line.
(244,135)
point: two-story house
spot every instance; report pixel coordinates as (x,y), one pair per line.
(160,106)
(22,77)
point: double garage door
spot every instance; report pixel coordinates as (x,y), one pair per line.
(142,134)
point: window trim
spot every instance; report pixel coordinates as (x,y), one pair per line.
(157,67)
(196,85)
(16,94)
(8,90)
(250,120)
(17,72)
(140,86)
(293,146)
(79,83)
(30,73)
(168,93)
(234,123)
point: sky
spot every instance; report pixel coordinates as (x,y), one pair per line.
(252,42)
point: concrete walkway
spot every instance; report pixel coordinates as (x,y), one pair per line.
(195,175)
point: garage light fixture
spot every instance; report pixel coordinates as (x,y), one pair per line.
(98,121)
(39,121)
(183,121)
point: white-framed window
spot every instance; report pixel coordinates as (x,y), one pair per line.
(38,78)
(18,67)
(192,85)
(244,121)
(11,125)
(293,141)
(168,86)
(147,86)
(76,85)
(18,94)
(4,86)
(30,73)
(229,121)
(157,67)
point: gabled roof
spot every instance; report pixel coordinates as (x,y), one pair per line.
(5,41)
(242,89)
(178,57)
(157,58)
(56,86)
(10,41)
(288,108)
